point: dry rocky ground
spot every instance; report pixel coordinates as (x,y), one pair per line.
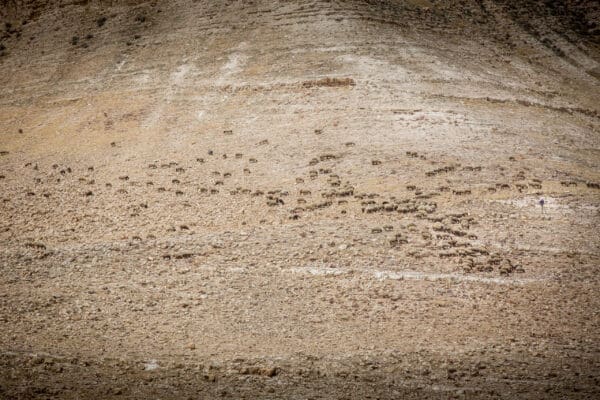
(299,199)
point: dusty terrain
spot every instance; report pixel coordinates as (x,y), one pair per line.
(299,199)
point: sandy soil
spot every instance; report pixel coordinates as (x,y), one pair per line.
(304,199)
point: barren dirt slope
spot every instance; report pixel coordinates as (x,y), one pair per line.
(299,199)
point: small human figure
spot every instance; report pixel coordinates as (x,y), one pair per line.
(542,202)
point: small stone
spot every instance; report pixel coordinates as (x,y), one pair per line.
(270,372)
(210,377)
(151,365)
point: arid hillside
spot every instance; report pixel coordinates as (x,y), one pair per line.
(299,199)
